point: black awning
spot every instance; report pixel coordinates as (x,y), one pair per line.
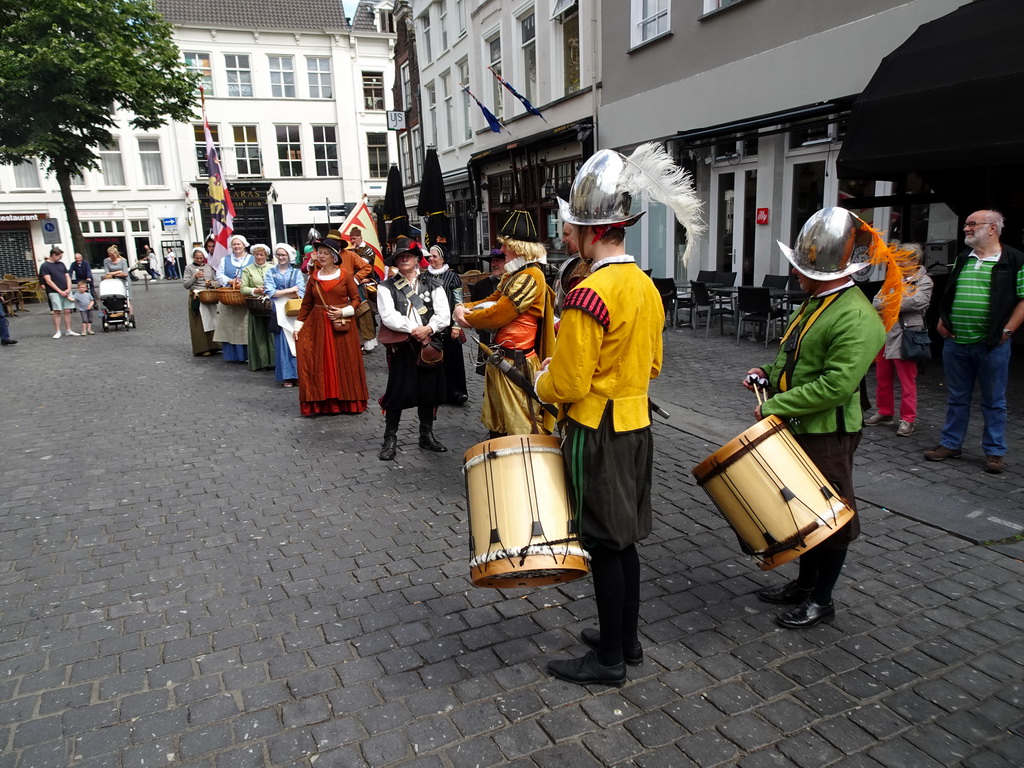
(949,100)
(823,112)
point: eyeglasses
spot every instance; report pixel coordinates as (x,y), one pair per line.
(976,224)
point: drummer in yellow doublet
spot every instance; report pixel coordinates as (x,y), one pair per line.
(521,310)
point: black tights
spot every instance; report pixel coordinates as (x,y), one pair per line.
(393,417)
(617,591)
(819,572)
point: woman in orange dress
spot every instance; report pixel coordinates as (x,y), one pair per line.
(331,374)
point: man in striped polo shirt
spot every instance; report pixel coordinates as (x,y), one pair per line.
(981,308)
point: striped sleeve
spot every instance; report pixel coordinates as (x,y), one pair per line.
(588,301)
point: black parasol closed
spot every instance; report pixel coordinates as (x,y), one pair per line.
(432,202)
(395,213)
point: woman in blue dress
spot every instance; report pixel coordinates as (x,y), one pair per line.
(284,281)
(232,328)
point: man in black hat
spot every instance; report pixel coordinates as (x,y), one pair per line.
(521,310)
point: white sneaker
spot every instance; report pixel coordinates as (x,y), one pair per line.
(56,335)
(72,333)
(906,429)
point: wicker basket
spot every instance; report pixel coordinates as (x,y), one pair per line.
(259,307)
(208,297)
(471,278)
(231,296)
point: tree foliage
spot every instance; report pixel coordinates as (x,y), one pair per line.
(65,65)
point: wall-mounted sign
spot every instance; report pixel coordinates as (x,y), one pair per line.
(51,232)
(396,121)
(762,216)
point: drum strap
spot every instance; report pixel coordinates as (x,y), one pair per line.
(791,343)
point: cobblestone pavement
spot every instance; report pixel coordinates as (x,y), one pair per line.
(193,575)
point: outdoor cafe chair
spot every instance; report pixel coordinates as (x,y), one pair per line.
(704,303)
(754,305)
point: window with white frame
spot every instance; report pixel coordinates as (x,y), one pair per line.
(247,150)
(406,155)
(110,164)
(563,7)
(377,151)
(460,16)
(528,35)
(318,70)
(26,175)
(449,109)
(406,87)
(282,77)
(417,153)
(325,149)
(152,163)
(373,90)
(200,144)
(426,47)
(649,19)
(289,150)
(385,20)
(199,64)
(432,111)
(493,57)
(467,122)
(570,53)
(716,5)
(442,23)
(239,75)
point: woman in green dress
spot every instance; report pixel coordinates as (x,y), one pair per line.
(261,340)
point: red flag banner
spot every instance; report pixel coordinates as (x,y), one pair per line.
(222,212)
(362,217)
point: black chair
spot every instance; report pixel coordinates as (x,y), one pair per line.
(706,276)
(727,279)
(754,305)
(704,303)
(669,296)
(775,281)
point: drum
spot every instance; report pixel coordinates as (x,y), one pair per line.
(259,307)
(521,527)
(208,297)
(773,495)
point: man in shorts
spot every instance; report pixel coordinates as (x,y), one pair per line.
(55,278)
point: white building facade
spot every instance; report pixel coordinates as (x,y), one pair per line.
(298,112)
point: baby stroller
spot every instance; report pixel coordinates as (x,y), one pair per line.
(114,310)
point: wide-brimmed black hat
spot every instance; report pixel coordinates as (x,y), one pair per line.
(403,245)
(519,226)
(334,241)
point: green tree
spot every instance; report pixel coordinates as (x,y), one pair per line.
(65,65)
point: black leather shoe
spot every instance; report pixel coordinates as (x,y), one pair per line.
(588,670)
(807,614)
(631,654)
(788,594)
(428,441)
(387,451)
(8,342)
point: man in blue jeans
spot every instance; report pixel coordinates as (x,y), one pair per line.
(981,308)
(5,335)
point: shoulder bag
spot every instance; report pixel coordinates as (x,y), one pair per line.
(916,345)
(341,324)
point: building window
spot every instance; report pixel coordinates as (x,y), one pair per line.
(247,150)
(377,149)
(386,21)
(442,22)
(406,88)
(199,64)
(467,123)
(528,30)
(26,175)
(373,90)
(110,165)
(494,60)
(428,51)
(562,7)
(449,109)
(650,19)
(571,53)
(320,85)
(152,164)
(139,225)
(417,153)
(710,6)
(406,155)
(282,77)
(432,111)
(239,75)
(200,138)
(325,149)
(289,150)
(460,16)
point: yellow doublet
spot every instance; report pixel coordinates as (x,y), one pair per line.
(609,347)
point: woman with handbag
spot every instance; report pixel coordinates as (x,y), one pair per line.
(454,336)
(283,282)
(331,374)
(261,343)
(414,314)
(894,361)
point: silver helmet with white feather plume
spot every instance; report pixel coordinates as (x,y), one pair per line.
(603,191)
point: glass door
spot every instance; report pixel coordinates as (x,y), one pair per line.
(734,221)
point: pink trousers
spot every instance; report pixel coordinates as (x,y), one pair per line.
(906,370)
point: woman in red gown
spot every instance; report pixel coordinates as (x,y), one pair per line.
(331,374)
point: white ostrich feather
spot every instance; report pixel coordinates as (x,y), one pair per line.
(651,171)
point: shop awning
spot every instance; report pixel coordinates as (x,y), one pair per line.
(947,104)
